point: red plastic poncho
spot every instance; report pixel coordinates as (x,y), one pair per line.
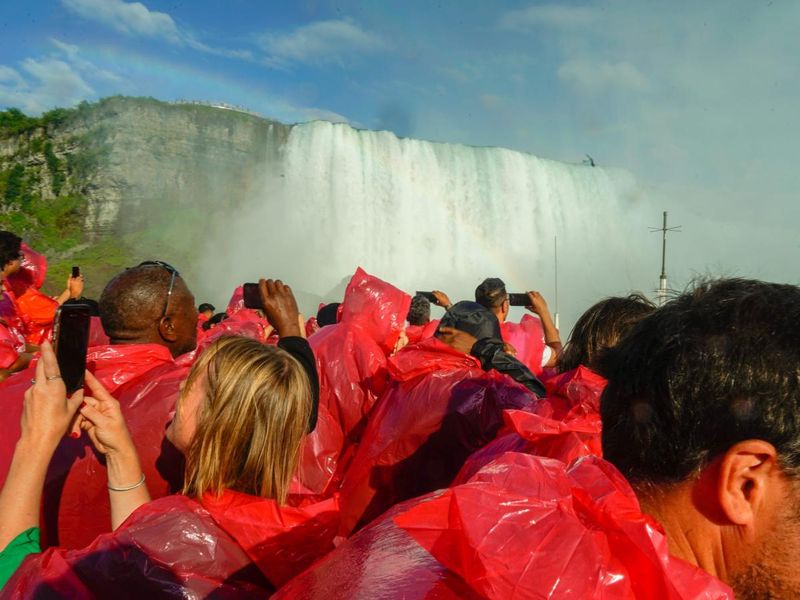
(12,344)
(417,333)
(35,309)
(319,456)
(565,425)
(441,407)
(145,379)
(312,326)
(32,271)
(351,355)
(38,311)
(97,335)
(527,338)
(235,546)
(238,313)
(523,527)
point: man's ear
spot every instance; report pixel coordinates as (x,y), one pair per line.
(167,330)
(747,471)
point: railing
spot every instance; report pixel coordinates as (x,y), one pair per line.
(223,105)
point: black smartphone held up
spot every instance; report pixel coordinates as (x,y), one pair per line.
(429,296)
(252,296)
(519,300)
(76,272)
(71,341)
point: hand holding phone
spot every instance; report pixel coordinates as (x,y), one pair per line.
(280,307)
(519,300)
(252,296)
(49,411)
(71,341)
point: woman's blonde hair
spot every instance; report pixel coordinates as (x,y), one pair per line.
(252,422)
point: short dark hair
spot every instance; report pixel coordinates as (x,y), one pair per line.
(133,300)
(419,313)
(491,293)
(718,365)
(473,318)
(327,315)
(215,320)
(206,306)
(10,247)
(600,328)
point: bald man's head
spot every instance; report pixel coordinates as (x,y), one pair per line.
(133,304)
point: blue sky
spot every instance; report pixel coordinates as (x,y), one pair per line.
(697,99)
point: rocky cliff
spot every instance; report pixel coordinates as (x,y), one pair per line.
(126,178)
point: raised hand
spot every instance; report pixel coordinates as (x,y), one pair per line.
(103,420)
(280,307)
(442,299)
(47,412)
(75,286)
(538,304)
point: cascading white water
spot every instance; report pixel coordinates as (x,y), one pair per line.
(429,215)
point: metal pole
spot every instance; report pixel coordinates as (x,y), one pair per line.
(555,258)
(664,249)
(661,293)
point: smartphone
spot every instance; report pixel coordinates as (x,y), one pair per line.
(71,341)
(76,272)
(519,300)
(252,296)
(429,296)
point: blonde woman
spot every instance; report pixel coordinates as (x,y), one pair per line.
(240,420)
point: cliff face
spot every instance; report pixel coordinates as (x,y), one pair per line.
(138,160)
(156,159)
(129,178)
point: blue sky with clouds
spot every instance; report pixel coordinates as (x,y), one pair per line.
(696,98)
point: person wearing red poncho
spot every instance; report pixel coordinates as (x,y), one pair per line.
(698,491)
(566,424)
(150,317)
(535,341)
(239,421)
(23,307)
(442,405)
(351,355)
(420,326)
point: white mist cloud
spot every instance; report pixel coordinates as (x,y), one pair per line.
(698,100)
(322,42)
(595,77)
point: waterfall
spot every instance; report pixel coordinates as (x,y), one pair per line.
(427,215)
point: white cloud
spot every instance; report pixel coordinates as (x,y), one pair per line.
(322,42)
(135,19)
(51,82)
(600,76)
(71,53)
(131,18)
(9,76)
(547,15)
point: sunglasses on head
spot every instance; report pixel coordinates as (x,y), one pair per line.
(171,270)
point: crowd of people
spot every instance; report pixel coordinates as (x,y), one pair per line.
(374,452)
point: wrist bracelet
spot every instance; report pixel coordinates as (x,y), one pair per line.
(127,488)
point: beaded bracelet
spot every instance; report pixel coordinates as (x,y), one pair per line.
(128,488)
